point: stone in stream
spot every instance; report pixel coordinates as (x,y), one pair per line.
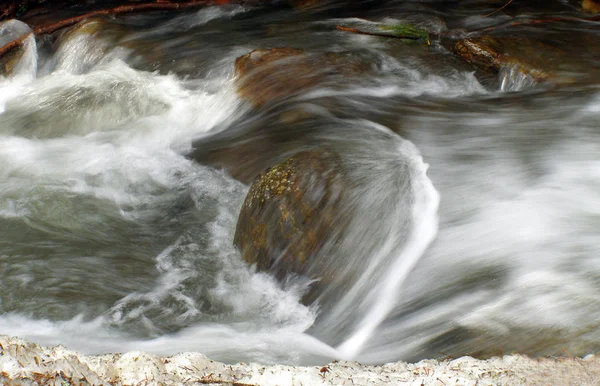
(266,75)
(591,6)
(80,47)
(10,60)
(97,39)
(13,30)
(290,213)
(531,57)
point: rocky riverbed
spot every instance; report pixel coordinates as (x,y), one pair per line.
(22,362)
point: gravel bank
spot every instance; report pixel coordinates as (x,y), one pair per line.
(24,363)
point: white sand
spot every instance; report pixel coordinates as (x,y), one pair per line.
(24,363)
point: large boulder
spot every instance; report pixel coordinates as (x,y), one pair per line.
(290,214)
(265,75)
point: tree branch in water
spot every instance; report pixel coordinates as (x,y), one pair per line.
(159,6)
(542,21)
(499,9)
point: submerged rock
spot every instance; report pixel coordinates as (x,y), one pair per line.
(265,75)
(540,61)
(290,213)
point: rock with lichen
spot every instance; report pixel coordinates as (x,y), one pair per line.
(266,75)
(290,213)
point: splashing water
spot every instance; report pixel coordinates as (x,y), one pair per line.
(113,240)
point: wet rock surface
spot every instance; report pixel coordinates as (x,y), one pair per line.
(591,6)
(290,213)
(10,60)
(531,57)
(267,75)
(24,363)
(111,41)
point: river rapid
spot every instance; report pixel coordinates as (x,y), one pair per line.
(476,214)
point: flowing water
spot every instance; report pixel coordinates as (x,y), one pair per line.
(475,208)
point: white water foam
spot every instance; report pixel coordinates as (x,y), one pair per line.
(384,295)
(517,247)
(203,16)
(160,109)
(410,82)
(11,30)
(24,72)
(117,134)
(123,161)
(513,80)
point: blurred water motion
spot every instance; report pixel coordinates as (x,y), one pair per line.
(127,154)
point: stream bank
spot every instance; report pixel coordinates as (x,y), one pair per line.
(25,363)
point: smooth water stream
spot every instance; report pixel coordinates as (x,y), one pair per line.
(476,208)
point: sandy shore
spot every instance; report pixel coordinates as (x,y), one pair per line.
(24,363)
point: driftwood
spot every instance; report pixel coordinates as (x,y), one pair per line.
(499,9)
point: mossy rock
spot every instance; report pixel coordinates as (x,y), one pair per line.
(290,213)
(267,75)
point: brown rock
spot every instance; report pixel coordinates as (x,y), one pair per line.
(542,62)
(591,6)
(492,53)
(256,58)
(265,75)
(290,213)
(10,60)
